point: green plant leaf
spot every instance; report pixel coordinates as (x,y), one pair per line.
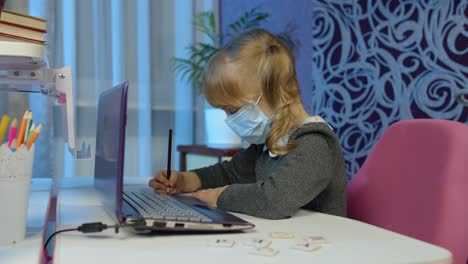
(188,70)
(250,19)
(205,23)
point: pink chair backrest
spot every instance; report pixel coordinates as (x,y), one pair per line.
(415,182)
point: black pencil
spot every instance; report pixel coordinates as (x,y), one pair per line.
(169,154)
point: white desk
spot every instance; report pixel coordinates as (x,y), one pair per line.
(30,249)
(349,241)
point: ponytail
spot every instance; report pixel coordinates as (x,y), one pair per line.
(281,91)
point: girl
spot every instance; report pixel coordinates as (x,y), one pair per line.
(294,160)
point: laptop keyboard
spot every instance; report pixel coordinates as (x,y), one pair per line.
(153,205)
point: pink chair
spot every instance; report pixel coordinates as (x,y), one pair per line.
(415,182)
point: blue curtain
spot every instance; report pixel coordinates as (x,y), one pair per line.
(105,43)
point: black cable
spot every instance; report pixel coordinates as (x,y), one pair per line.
(87,228)
(58,232)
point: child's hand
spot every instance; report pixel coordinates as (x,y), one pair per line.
(209,196)
(163,185)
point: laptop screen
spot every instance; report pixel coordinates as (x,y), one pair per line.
(110,147)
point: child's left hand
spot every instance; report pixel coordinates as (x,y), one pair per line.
(209,196)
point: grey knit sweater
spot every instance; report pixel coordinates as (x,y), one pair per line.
(311,176)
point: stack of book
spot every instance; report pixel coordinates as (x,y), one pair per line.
(18,27)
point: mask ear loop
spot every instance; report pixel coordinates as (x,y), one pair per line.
(258,100)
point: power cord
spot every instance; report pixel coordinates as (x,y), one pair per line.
(88,228)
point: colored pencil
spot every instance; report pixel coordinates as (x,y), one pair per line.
(28,126)
(12,133)
(22,129)
(4,127)
(31,130)
(13,145)
(34,136)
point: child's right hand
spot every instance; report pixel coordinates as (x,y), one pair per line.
(161,184)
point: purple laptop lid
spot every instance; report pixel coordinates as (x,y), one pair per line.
(110,147)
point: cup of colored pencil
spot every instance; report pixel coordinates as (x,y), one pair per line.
(17,138)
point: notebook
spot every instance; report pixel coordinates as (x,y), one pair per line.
(140,205)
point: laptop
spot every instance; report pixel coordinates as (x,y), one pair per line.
(139,205)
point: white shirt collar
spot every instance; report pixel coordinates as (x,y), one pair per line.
(283,141)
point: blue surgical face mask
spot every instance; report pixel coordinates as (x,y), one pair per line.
(250,123)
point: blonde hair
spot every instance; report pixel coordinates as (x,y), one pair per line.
(259,55)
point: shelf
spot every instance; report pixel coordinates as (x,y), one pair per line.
(19,55)
(23,68)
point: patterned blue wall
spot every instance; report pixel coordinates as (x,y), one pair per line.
(377,62)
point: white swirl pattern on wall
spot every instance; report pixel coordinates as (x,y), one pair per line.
(378,62)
